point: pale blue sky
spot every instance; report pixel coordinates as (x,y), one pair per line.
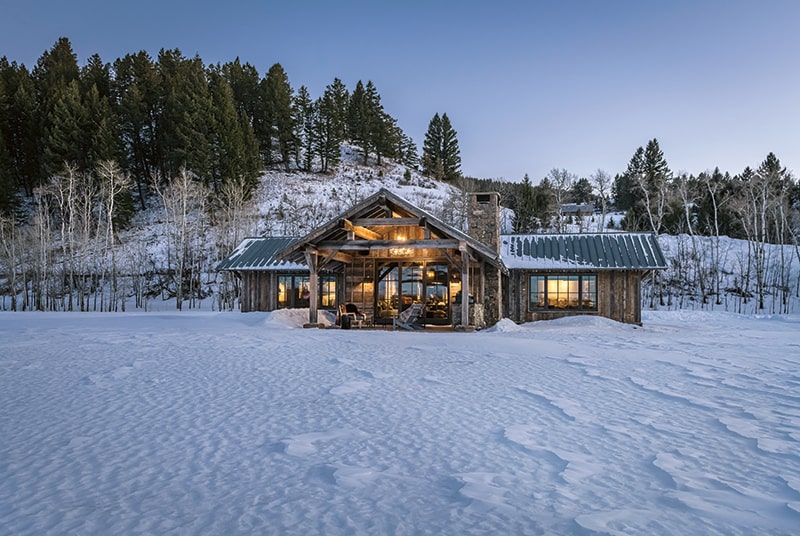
(528,85)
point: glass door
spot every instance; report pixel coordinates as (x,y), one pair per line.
(398,285)
(437,294)
(386,296)
(411,285)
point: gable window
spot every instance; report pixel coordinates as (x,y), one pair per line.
(563,291)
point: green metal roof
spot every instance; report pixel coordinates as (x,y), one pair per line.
(260,254)
(602,251)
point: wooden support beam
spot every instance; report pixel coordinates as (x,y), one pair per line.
(369,222)
(311,261)
(362,245)
(328,258)
(360,231)
(452,260)
(464,288)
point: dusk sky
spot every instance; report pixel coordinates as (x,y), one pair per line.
(527,85)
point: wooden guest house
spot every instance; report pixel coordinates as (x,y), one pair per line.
(384,255)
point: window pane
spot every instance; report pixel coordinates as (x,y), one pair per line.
(284,291)
(589,292)
(411,286)
(437,301)
(328,291)
(562,291)
(537,292)
(388,282)
(302,292)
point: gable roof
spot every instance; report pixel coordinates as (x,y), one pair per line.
(602,251)
(260,254)
(376,206)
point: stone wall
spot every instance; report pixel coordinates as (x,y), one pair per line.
(483,224)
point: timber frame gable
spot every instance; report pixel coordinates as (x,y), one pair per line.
(384,230)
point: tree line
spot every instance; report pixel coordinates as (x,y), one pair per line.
(158,116)
(760,205)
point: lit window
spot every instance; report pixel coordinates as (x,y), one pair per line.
(561,291)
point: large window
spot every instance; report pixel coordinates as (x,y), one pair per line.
(327,291)
(562,291)
(294,291)
(401,284)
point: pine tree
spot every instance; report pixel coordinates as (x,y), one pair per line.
(20,126)
(64,136)
(407,150)
(379,125)
(451,155)
(441,157)
(432,148)
(327,131)
(581,191)
(244,82)
(55,70)
(100,129)
(184,121)
(235,159)
(303,110)
(8,199)
(524,220)
(340,99)
(626,192)
(136,90)
(358,129)
(278,113)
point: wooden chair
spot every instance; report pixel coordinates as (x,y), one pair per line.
(350,310)
(409,318)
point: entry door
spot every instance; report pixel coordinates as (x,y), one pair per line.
(401,284)
(437,294)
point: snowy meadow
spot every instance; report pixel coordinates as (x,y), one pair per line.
(229,423)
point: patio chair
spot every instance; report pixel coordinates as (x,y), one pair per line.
(409,319)
(354,315)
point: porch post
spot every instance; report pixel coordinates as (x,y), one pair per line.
(311,261)
(464,285)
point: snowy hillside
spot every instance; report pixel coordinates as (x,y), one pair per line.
(228,423)
(164,250)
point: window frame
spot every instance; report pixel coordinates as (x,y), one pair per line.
(300,282)
(585,280)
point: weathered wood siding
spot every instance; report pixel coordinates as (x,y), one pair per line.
(618,297)
(258,291)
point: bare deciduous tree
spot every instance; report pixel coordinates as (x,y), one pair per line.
(603,183)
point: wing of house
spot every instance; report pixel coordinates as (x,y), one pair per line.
(558,275)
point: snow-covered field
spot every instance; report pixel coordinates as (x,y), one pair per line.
(228,423)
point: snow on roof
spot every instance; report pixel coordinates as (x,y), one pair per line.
(260,254)
(600,251)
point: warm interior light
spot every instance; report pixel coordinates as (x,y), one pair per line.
(562,292)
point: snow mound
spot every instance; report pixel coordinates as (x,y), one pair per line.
(506,325)
(296,318)
(582,322)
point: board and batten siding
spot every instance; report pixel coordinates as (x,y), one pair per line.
(257,291)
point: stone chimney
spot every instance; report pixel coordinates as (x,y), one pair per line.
(483,218)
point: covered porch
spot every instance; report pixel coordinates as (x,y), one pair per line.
(388,255)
